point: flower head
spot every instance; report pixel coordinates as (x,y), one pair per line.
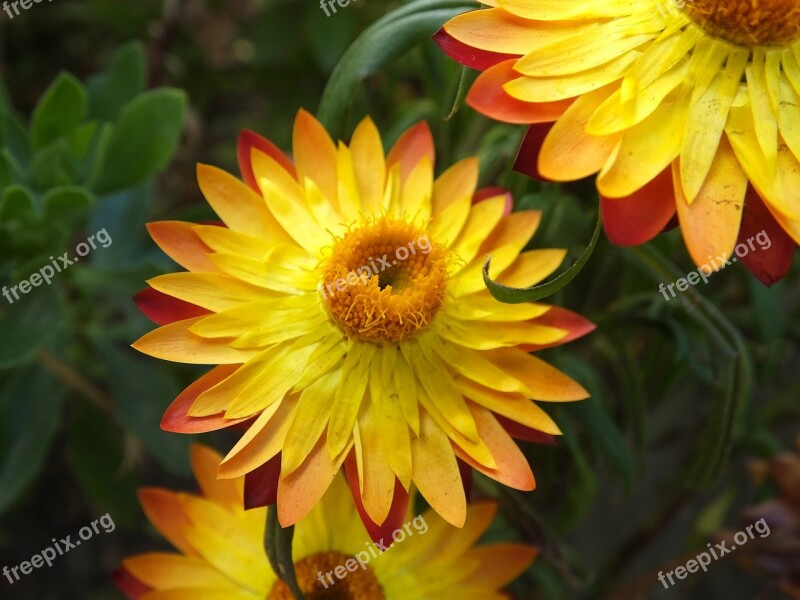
(220,554)
(344,303)
(679,106)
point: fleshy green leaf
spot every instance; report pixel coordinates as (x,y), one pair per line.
(29,321)
(121,82)
(141,142)
(60,110)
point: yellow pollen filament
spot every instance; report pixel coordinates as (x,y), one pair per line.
(384,281)
(748,23)
(311,572)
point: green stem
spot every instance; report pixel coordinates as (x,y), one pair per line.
(278,544)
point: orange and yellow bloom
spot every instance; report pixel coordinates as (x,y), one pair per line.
(344,305)
(688,111)
(220,554)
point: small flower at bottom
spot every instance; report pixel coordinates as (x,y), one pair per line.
(687,111)
(344,303)
(220,554)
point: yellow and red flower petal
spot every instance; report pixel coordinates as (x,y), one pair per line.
(205,461)
(129,585)
(488,97)
(177,419)
(411,147)
(163,310)
(261,484)
(315,155)
(493,192)
(467,55)
(249,140)
(561,318)
(527,161)
(500,563)
(181,243)
(165,512)
(397,511)
(641,216)
(771,264)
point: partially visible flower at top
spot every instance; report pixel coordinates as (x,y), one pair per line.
(345,304)
(689,106)
(221,557)
(775,556)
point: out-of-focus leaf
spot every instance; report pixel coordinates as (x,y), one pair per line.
(80,140)
(141,142)
(17,146)
(60,110)
(51,166)
(511,295)
(31,321)
(16,203)
(386,39)
(65,206)
(143,390)
(96,453)
(121,82)
(30,414)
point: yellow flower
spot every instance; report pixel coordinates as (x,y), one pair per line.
(677,105)
(345,305)
(221,556)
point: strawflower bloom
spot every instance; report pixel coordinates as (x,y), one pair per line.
(220,554)
(687,106)
(344,303)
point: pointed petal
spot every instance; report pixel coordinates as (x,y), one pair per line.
(249,140)
(414,144)
(467,55)
(177,420)
(163,309)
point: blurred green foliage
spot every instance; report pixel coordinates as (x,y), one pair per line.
(683,392)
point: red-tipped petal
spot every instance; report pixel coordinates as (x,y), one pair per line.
(129,585)
(521,432)
(176,419)
(467,55)
(411,147)
(163,309)
(488,97)
(527,161)
(397,512)
(492,192)
(261,485)
(768,265)
(249,140)
(561,318)
(640,217)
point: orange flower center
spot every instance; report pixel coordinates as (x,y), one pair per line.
(747,22)
(316,584)
(384,281)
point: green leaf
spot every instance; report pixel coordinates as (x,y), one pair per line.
(51,166)
(143,390)
(17,203)
(66,206)
(95,450)
(60,110)
(121,82)
(16,142)
(512,295)
(278,547)
(30,321)
(141,142)
(30,414)
(386,39)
